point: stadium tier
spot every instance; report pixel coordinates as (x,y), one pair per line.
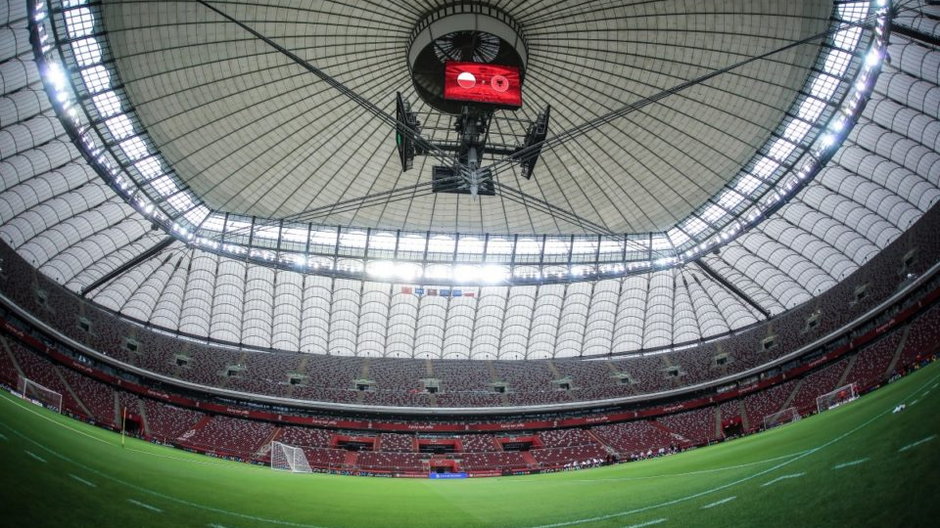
(334,446)
(458,383)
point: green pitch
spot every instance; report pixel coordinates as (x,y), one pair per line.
(858,465)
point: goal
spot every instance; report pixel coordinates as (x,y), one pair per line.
(38,393)
(288,458)
(843,394)
(781,417)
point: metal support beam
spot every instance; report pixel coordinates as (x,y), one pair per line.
(120,270)
(915,34)
(732,288)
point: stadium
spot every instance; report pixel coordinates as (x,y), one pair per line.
(532,264)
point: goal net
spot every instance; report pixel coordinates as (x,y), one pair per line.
(781,417)
(836,398)
(39,393)
(288,458)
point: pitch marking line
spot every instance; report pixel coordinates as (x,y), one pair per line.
(666,475)
(905,448)
(782,477)
(647,523)
(851,463)
(83,481)
(719,503)
(214,525)
(35,456)
(3,437)
(146,506)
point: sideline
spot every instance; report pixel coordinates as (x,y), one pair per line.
(719,503)
(851,463)
(917,443)
(783,477)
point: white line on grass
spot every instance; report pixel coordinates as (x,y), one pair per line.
(647,523)
(3,437)
(914,444)
(239,515)
(782,477)
(851,463)
(34,455)
(83,481)
(719,503)
(145,506)
(214,525)
(665,475)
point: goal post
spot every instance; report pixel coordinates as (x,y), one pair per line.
(783,416)
(288,458)
(843,394)
(36,392)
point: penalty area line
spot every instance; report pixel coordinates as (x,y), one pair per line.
(783,477)
(145,506)
(647,523)
(3,437)
(35,456)
(83,481)
(917,443)
(719,503)
(851,463)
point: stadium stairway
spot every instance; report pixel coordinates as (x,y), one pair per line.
(195,428)
(144,421)
(848,370)
(83,409)
(718,432)
(551,366)
(742,412)
(671,433)
(792,396)
(900,350)
(610,450)
(10,359)
(492,371)
(352,459)
(262,452)
(117,408)
(529,459)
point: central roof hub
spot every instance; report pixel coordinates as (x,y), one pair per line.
(461,33)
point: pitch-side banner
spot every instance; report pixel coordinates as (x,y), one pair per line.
(483,83)
(439,476)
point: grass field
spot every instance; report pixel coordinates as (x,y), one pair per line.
(858,465)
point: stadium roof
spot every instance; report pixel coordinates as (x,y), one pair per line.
(167,115)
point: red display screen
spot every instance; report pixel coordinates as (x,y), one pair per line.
(483,83)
